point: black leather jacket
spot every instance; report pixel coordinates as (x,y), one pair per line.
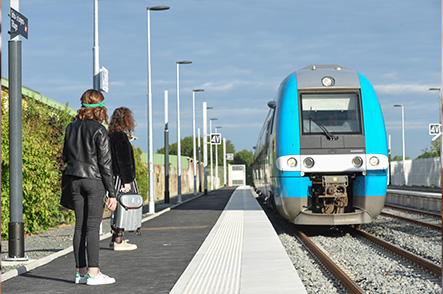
(87,152)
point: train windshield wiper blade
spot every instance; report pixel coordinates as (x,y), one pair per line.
(324,129)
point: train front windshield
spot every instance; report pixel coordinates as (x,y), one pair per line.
(338,113)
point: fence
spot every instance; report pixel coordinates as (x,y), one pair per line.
(424,172)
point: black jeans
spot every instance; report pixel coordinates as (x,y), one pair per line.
(88,196)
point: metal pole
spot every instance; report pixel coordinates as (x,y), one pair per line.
(224,162)
(166,149)
(193,143)
(216,163)
(179,166)
(205,147)
(96,51)
(210,155)
(199,163)
(389,159)
(403,139)
(16,226)
(441,111)
(150,134)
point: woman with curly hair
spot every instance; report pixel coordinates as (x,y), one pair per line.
(121,127)
(87,152)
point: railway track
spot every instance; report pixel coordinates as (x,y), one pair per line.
(413,221)
(413,210)
(348,261)
(346,279)
(336,270)
(427,265)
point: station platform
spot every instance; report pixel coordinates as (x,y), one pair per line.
(216,243)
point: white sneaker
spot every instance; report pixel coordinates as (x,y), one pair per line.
(99,279)
(80,279)
(124,246)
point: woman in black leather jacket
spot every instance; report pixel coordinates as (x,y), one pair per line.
(87,153)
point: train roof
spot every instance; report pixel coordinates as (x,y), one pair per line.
(327,75)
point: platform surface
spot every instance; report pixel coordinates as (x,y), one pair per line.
(218,240)
(242,254)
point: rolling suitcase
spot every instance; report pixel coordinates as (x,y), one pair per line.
(128,215)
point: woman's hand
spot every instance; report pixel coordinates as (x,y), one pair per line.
(112,204)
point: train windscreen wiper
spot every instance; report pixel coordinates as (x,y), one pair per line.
(323,128)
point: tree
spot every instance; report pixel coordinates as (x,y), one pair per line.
(433,151)
(187,149)
(399,158)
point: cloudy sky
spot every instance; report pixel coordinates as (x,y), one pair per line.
(241,50)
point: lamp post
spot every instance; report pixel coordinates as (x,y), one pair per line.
(193,138)
(403,137)
(216,160)
(205,148)
(166,149)
(210,151)
(179,166)
(439,101)
(440,110)
(199,163)
(150,134)
(96,52)
(224,162)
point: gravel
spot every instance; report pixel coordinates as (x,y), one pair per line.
(419,240)
(375,270)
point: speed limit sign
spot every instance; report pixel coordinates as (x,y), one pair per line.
(215,139)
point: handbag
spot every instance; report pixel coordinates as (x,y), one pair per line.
(66,199)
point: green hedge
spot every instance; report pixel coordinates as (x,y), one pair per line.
(43,135)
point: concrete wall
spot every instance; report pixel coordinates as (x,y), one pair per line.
(418,172)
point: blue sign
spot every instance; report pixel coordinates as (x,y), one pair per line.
(19,23)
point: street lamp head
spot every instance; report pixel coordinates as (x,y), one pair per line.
(219,127)
(213,119)
(184,62)
(198,90)
(434,89)
(209,107)
(158,8)
(398,105)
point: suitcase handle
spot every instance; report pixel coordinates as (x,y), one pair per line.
(124,206)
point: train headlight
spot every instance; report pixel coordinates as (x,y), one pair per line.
(357,161)
(292,162)
(308,162)
(328,81)
(374,161)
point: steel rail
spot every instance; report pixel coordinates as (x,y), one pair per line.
(413,210)
(426,264)
(413,221)
(344,279)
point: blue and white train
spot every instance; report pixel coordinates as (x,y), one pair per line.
(321,157)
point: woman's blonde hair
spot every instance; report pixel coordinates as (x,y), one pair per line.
(93,106)
(122,121)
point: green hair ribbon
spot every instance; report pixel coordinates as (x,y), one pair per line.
(101,104)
